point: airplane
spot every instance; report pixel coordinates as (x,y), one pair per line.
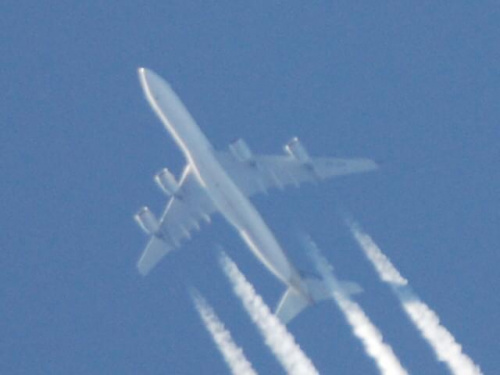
(221,181)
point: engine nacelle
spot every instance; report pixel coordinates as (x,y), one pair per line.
(167,182)
(241,151)
(147,221)
(295,149)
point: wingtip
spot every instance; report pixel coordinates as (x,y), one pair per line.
(142,270)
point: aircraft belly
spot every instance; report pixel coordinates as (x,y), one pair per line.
(266,248)
(240,213)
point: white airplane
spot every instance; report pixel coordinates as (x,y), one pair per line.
(221,181)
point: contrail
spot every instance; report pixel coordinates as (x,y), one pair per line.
(427,322)
(363,328)
(276,336)
(233,355)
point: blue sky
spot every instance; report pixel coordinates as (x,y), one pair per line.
(413,86)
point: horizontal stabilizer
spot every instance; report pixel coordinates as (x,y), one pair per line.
(292,303)
(317,289)
(155,250)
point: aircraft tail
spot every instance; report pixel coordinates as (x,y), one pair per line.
(155,250)
(293,303)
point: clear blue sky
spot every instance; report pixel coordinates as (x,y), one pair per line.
(414,86)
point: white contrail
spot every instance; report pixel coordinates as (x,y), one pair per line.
(427,322)
(363,328)
(276,336)
(232,354)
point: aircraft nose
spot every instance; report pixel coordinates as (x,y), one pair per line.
(146,78)
(149,78)
(142,73)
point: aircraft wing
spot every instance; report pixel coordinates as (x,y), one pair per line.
(263,172)
(185,210)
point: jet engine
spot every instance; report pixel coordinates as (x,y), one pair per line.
(295,149)
(241,151)
(167,182)
(147,221)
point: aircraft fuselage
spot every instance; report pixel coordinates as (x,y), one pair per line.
(227,197)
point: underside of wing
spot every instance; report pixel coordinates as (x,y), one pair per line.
(188,206)
(155,250)
(186,209)
(257,173)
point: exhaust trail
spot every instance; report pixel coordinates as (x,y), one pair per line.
(276,337)
(369,335)
(442,342)
(232,354)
